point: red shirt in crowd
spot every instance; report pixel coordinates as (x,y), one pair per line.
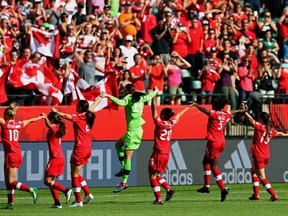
(209,77)
(216,125)
(162,135)
(10,133)
(54,143)
(148,22)
(138,84)
(156,77)
(180,46)
(260,145)
(196,35)
(81,131)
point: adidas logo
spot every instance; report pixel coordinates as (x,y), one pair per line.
(239,166)
(176,172)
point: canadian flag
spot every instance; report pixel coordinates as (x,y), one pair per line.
(46,43)
(3,77)
(81,90)
(36,76)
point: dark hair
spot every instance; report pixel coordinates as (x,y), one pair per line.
(84,105)
(219,103)
(167,113)
(57,120)
(129,88)
(265,117)
(137,95)
(90,118)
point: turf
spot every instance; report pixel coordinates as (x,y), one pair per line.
(138,201)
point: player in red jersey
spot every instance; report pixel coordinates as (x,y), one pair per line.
(159,159)
(260,151)
(10,133)
(55,166)
(83,121)
(217,120)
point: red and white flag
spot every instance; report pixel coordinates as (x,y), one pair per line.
(81,90)
(3,77)
(46,43)
(36,76)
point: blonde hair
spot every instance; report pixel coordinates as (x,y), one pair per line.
(11,110)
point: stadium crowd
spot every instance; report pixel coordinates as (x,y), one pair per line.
(183,47)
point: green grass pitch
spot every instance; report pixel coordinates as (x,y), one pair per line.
(138,201)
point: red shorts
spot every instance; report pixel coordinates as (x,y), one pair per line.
(13,160)
(259,162)
(80,157)
(214,149)
(55,167)
(158,162)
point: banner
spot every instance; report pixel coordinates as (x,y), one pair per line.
(279,115)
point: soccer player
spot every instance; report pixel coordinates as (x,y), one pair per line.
(161,150)
(10,133)
(134,104)
(83,121)
(216,143)
(260,151)
(55,166)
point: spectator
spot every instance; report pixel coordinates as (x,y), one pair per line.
(64,24)
(128,22)
(268,43)
(250,53)
(148,22)
(282,76)
(268,24)
(156,76)
(53,14)
(249,35)
(195,48)
(37,13)
(180,40)
(70,8)
(125,79)
(138,74)
(99,59)
(174,80)
(128,51)
(227,50)
(210,42)
(79,17)
(161,40)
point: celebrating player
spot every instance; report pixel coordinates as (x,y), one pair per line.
(83,121)
(55,166)
(260,151)
(161,149)
(10,133)
(216,143)
(134,104)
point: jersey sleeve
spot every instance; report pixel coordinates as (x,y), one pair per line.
(119,102)
(74,117)
(150,96)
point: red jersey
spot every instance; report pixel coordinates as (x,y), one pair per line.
(216,125)
(156,77)
(139,83)
(260,145)
(10,133)
(196,35)
(54,143)
(162,135)
(81,131)
(209,77)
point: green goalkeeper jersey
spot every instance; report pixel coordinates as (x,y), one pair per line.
(133,110)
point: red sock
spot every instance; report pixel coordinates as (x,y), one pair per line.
(76,189)
(55,195)
(84,185)
(156,188)
(20,186)
(255,180)
(58,186)
(218,176)
(268,187)
(10,194)
(163,183)
(207,175)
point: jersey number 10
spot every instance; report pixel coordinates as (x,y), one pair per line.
(13,135)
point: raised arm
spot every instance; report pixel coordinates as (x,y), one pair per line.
(281,134)
(62,115)
(95,103)
(114,99)
(47,121)
(250,118)
(151,95)
(153,108)
(2,121)
(201,108)
(179,114)
(28,121)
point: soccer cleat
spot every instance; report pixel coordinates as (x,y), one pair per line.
(120,187)
(274,198)
(9,206)
(224,193)
(35,195)
(68,195)
(169,194)
(203,190)
(75,204)
(56,206)
(158,202)
(119,174)
(87,199)
(254,197)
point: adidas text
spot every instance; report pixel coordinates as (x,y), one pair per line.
(237,176)
(174,177)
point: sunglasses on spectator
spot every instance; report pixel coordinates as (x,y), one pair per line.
(265,61)
(268,16)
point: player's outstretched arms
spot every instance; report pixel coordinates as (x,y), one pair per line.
(62,115)
(201,108)
(179,114)
(281,134)
(28,121)
(154,108)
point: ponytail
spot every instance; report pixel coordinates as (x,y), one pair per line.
(265,117)
(90,118)
(62,129)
